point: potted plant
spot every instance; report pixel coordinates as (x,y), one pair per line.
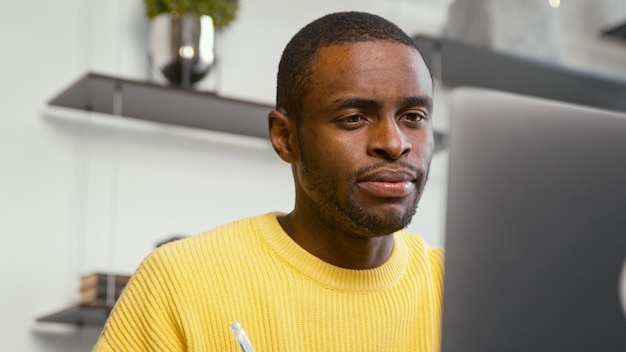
(221,11)
(182,35)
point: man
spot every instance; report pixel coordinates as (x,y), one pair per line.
(338,273)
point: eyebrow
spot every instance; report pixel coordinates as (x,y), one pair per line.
(424,101)
(356,103)
(421,100)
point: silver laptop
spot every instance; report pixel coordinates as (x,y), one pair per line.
(535,226)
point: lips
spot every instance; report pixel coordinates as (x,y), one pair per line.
(388,183)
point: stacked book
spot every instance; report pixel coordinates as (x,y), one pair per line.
(101,289)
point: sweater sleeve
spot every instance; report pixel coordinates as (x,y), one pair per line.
(436,256)
(145,317)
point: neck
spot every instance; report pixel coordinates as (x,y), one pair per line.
(344,250)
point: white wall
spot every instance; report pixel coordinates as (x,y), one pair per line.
(81,192)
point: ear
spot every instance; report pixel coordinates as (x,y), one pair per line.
(282,135)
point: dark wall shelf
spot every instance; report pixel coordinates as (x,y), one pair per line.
(462,64)
(79,315)
(617,31)
(170,105)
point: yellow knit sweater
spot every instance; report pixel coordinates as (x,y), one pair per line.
(185,295)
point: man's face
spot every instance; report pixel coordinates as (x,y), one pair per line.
(365,140)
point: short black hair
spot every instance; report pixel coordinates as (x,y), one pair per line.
(294,70)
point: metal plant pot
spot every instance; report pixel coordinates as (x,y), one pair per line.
(182,47)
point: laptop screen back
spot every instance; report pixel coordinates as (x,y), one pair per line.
(535,226)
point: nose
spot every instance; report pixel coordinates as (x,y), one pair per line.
(387,140)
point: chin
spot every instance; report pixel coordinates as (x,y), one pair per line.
(378,225)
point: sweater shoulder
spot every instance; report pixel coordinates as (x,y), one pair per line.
(224,244)
(417,246)
(417,242)
(243,230)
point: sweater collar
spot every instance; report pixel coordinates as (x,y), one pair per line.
(328,275)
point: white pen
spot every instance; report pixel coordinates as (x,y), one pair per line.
(241,336)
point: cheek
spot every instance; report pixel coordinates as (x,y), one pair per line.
(327,157)
(423,148)
(326,143)
(340,154)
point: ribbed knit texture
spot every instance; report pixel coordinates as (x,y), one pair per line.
(186,293)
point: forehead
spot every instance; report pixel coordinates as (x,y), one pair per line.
(371,63)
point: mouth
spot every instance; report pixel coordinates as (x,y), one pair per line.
(389,183)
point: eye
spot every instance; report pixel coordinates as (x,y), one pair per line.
(414,118)
(351,121)
(352,118)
